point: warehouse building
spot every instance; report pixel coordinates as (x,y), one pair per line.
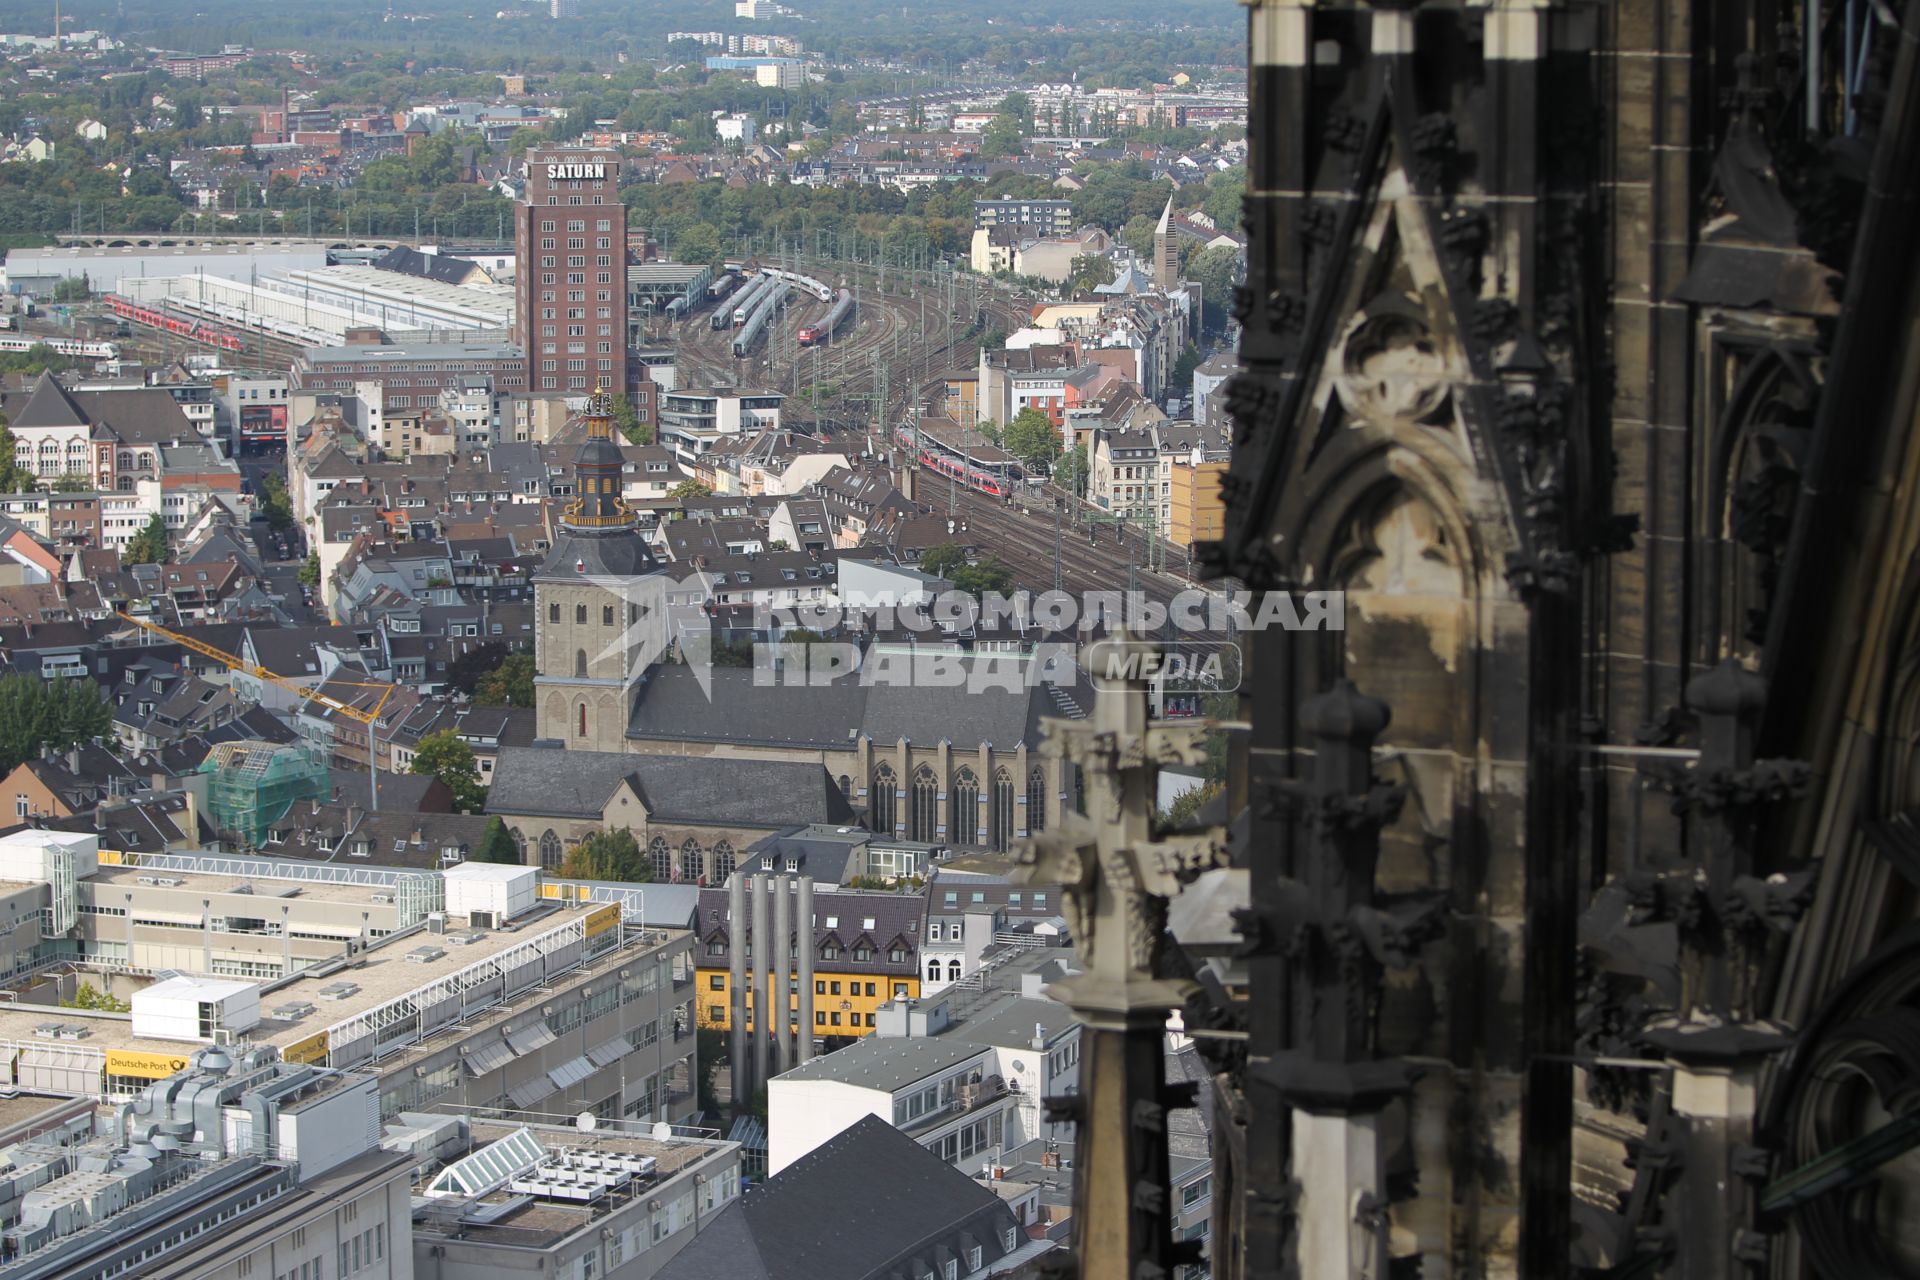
(110,268)
(476,986)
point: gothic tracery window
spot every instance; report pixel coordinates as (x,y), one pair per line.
(963,823)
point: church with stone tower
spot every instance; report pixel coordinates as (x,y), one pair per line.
(599,601)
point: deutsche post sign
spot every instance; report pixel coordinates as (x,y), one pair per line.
(312,1049)
(144,1066)
(602,920)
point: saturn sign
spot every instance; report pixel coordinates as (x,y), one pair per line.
(576,169)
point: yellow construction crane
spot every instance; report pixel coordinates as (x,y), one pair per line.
(371,718)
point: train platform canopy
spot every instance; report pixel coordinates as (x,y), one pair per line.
(963,441)
(658,283)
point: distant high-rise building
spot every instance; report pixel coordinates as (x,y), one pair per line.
(1166,252)
(565,8)
(570,237)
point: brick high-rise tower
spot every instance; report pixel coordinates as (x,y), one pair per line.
(570,258)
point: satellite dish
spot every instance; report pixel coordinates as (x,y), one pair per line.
(586,1122)
(662,1132)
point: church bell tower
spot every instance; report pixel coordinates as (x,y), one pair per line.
(599,601)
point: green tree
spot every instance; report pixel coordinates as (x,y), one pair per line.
(508,685)
(1188,804)
(1032,438)
(1217,270)
(1070,473)
(36,714)
(150,545)
(14,478)
(1137,235)
(989,577)
(627,419)
(309,575)
(608,855)
(1001,138)
(690,489)
(698,246)
(72,289)
(1183,369)
(34,361)
(942,560)
(446,756)
(1089,271)
(275,505)
(709,1050)
(88,996)
(465,672)
(73,482)
(496,844)
(1226,191)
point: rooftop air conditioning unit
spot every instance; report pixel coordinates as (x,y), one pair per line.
(483,919)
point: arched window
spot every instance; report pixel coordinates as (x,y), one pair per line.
(519,843)
(963,813)
(146,462)
(580,612)
(124,484)
(846,786)
(933,971)
(923,808)
(552,852)
(606,615)
(662,859)
(882,803)
(125,460)
(953,971)
(553,611)
(582,730)
(1036,800)
(1000,817)
(723,861)
(691,868)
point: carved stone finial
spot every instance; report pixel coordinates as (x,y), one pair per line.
(1346,714)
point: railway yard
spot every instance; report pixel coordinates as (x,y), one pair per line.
(908,331)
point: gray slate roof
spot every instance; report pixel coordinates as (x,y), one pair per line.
(673,707)
(911,1212)
(575,555)
(682,789)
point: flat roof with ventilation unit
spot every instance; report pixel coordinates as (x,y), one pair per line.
(337,1015)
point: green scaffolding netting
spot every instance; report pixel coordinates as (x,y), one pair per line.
(253,784)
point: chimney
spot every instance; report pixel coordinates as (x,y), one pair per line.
(353,817)
(73,760)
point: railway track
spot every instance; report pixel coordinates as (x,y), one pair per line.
(1100,558)
(903,340)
